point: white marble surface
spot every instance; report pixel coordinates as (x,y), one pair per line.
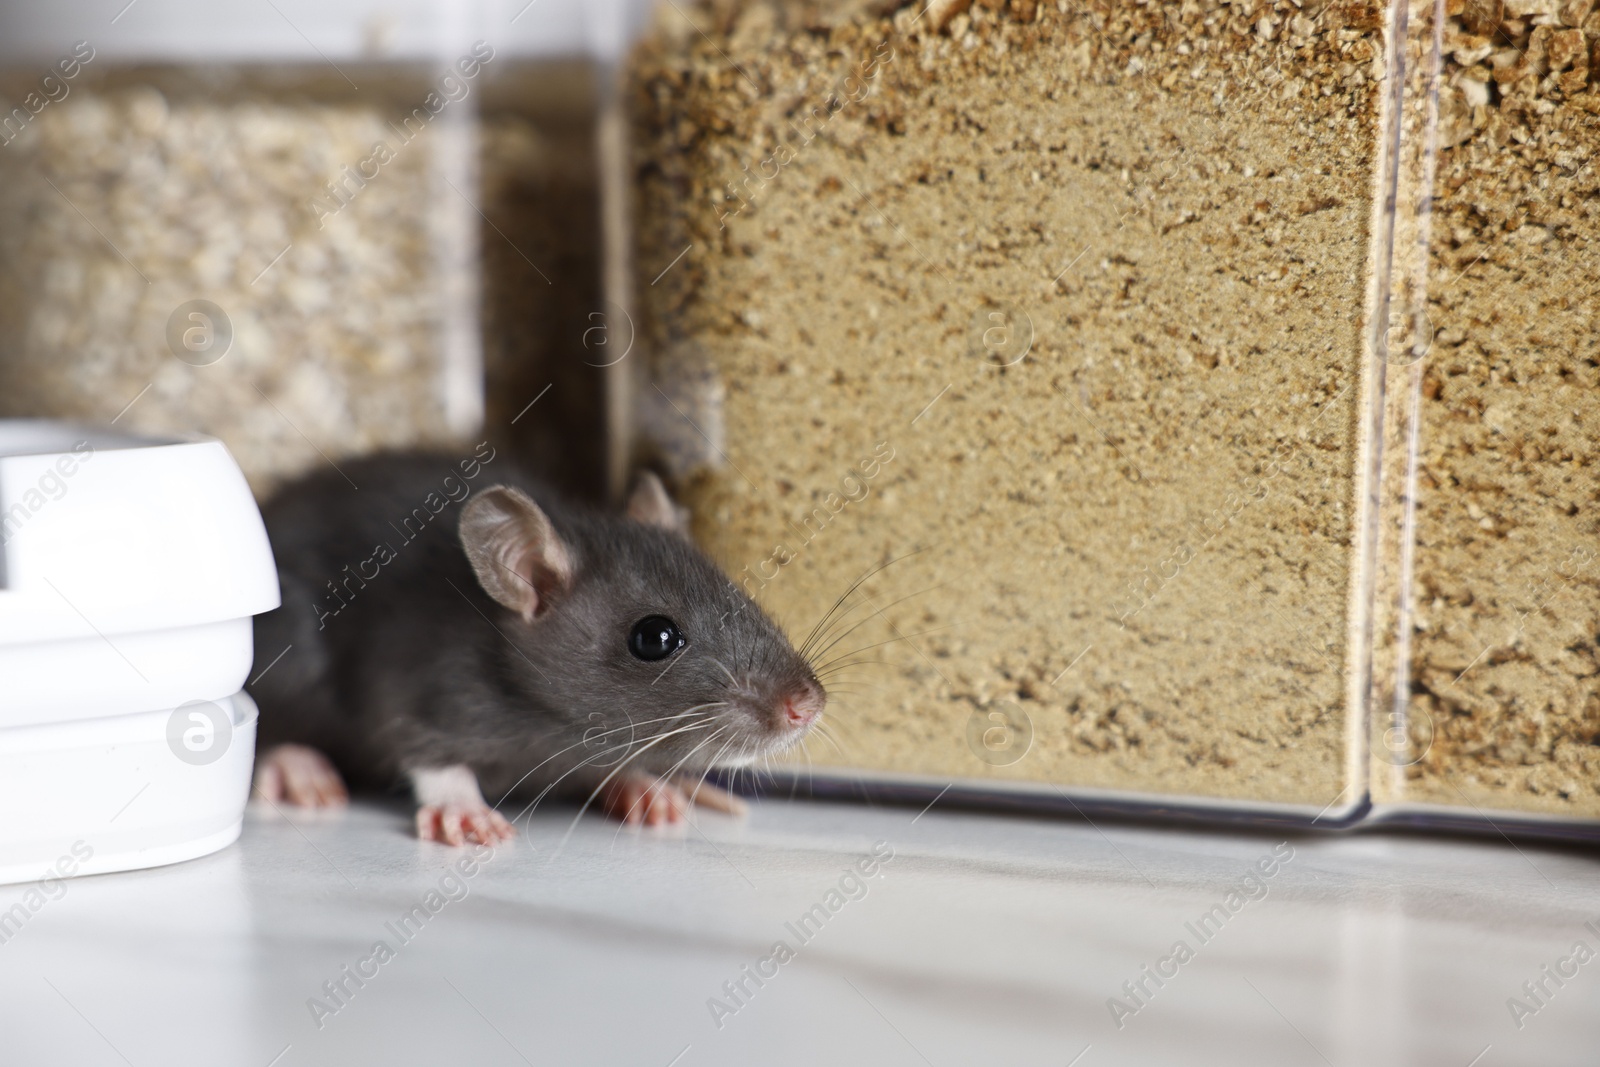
(986,940)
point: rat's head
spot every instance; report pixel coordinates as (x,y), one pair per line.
(633,638)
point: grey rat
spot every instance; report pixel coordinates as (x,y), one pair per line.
(457,625)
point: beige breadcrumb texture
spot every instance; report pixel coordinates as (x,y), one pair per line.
(150,188)
(1053,312)
(1505,669)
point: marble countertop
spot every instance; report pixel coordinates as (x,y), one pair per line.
(938,938)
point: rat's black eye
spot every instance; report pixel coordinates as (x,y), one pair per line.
(655,637)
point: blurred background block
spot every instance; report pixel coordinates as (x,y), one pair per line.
(393,207)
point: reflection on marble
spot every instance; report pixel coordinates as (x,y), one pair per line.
(983,940)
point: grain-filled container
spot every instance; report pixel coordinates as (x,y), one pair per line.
(1093,341)
(311,229)
(130,569)
(1486,698)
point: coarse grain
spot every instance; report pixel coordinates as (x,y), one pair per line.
(1137,536)
(1504,663)
(149,187)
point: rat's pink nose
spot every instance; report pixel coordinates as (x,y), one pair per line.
(801,707)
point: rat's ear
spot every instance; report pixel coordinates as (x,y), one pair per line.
(517,555)
(650,504)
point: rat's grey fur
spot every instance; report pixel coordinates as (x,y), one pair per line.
(421,668)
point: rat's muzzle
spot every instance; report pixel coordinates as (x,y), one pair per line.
(801,706)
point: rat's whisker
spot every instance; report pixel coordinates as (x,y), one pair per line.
(851,685)
(839,668)
(831,633)
(824,664)
(690,754)
(591,736)
(843,681)
(842,665)
(827,735)
(652,743)
(835,637)
(711,764)
(596,757)
(837,611)
(622,821)
(816,630)
(733,743)
(539,798)
(697,707)
(528,809)
(562,844)
(893,603)
(701,783)
(535,767)
(587,739)
(724,668)
(721,751)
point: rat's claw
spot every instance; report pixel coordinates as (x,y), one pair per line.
(640,800)
(456,824)
(302,776)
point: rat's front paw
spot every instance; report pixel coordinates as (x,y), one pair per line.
(640,800)
(456,824)
(302,776)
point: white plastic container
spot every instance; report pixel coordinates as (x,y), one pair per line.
(112,794)
(130,569)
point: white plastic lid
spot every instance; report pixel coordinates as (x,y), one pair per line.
(105,533)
